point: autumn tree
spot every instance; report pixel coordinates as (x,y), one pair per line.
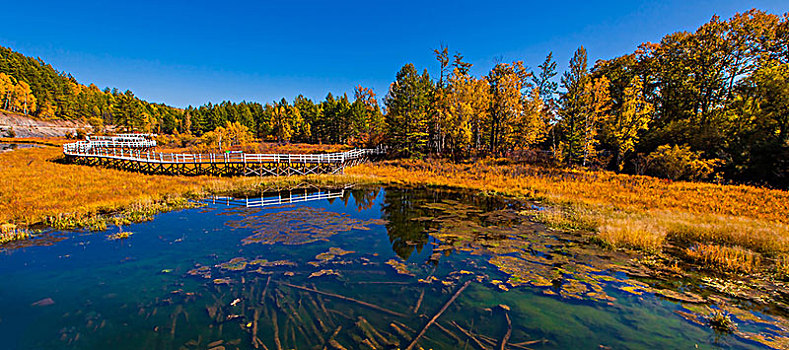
(531,126)
(757,123)
(468,103)
(506,82)
(285,121)
(6,90)
(365,118)
(311,114)
(623,128)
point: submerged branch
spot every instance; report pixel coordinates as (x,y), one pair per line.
(432,320)
(337,296)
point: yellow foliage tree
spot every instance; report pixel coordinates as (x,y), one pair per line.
(6,90)
(467,101)
(623,127)
(23,98)
(506,82)
(230,135)
(531,126)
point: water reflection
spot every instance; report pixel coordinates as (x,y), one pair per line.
(5,147)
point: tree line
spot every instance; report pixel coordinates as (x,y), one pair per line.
(714,102)
(708,103)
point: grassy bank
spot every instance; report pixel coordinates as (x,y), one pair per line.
(723,226)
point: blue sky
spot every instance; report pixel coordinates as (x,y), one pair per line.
(192,52)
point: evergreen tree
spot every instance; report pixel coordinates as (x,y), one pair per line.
(409,108)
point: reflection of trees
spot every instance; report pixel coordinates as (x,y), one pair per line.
(414,215)
(364,198)
(400,207)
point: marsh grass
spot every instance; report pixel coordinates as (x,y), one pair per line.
(723,258)
(640,233)
(569,218)
(721,322)
(10,232)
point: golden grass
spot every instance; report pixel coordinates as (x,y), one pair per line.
(643,233)
(619,191)
(625,210)
(37,140)
(725,258)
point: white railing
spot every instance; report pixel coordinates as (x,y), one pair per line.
(279,199)
(136,149)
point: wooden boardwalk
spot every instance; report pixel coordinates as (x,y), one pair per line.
(135,153)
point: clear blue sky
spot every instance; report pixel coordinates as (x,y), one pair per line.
(192,52)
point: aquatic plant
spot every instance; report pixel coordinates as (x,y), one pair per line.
(298,225)
(721,322)
(119,235)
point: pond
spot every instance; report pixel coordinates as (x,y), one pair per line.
(5,147)
(355,268)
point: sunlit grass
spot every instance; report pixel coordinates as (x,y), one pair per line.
(724,258)
(640,233)
(781,267)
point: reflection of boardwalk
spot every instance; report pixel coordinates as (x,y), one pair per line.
(134,153)
(279,198)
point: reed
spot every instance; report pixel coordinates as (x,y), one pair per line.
(724,258)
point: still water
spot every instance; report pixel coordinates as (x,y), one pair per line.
(5,147)
(367,269)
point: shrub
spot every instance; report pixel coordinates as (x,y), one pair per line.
(680,163)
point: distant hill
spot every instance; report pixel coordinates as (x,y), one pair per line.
(32,87)
(25,126)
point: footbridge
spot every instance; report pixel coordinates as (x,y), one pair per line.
(136,152)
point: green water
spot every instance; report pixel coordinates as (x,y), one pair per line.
(207,276)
